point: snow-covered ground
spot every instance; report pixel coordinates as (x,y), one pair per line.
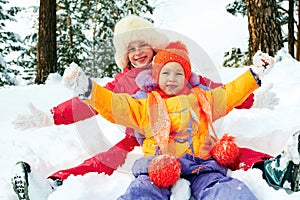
(49,149)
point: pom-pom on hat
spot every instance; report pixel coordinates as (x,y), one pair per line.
(174,52)
(134,28)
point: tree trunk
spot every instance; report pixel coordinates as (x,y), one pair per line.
(46,51)
(264,28)
(298,35)
(291,38)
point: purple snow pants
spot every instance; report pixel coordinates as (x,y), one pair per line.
(208,181)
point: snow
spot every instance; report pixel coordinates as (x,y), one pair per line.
(49,149)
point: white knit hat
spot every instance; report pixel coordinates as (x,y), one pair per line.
(134,28)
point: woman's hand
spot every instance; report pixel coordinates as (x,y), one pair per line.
(75,79)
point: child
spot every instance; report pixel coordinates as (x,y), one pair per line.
(162,122)
(283,171)
(136,42)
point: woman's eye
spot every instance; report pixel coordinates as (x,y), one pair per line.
(144,46)
(131,49)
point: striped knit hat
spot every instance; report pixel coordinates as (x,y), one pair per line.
(174,52)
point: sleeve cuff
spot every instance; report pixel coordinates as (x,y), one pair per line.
(258,81)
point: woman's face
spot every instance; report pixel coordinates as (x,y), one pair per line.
(172,78)
(140,54)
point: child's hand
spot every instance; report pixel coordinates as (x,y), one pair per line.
(36,118)
(75,79)
(262,64)
(194,80)
(145,81)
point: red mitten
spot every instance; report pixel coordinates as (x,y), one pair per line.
(164,170)
(226,151)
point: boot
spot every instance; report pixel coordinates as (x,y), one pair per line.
(20,180)
(283,171)
(22,177)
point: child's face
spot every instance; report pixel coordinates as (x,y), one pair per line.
(172,78)
(140,54)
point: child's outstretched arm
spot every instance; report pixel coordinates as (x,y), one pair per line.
(234,93)
(117,108)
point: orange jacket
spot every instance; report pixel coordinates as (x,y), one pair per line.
(134,113)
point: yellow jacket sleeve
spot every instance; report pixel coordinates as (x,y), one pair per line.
(119,108)
(223,99)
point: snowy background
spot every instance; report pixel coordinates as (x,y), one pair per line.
(59,147)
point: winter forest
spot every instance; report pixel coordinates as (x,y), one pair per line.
(81,31)
(40,39)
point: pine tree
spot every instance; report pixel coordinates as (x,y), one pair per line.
(234,58)
(10,42)
(85,31)
(28,57)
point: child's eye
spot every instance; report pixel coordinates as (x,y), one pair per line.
(166,73)
(179,74)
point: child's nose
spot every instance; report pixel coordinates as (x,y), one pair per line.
(172,77)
